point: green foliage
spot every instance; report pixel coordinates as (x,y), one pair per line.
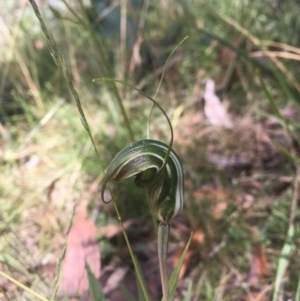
(188,295)
(174,277)
(298,291)
(94,285)
(127,294)
(283,262)
(136,264)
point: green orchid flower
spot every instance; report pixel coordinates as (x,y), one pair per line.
(157,170)
(160,174)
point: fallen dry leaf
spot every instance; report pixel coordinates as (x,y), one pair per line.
(82,247)
(218,197)
(259,265)
(213,108)
(136,59)
(219,209)
(115,278)
(110,231)
(263,295)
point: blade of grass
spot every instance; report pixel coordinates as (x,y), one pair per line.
(283,262)
(270,98)
(188,294)
(283,46)
(13,263)
(133,258)
(286,152)
(140,291)
(13,39)
(94,285)
(268,69)
(259,44)
(280,76)
(127,293)
(298,291)
(275,107)
(24,287)
(292,154)
(174,277)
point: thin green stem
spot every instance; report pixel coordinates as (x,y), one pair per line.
(134,260)
(24,287)
(153,218)
(159,85)
(162,247)
(151,99)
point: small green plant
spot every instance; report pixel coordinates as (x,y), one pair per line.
(158,171)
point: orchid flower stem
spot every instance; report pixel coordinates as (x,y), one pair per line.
(162,246)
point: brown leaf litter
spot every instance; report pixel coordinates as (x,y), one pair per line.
(82,248)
